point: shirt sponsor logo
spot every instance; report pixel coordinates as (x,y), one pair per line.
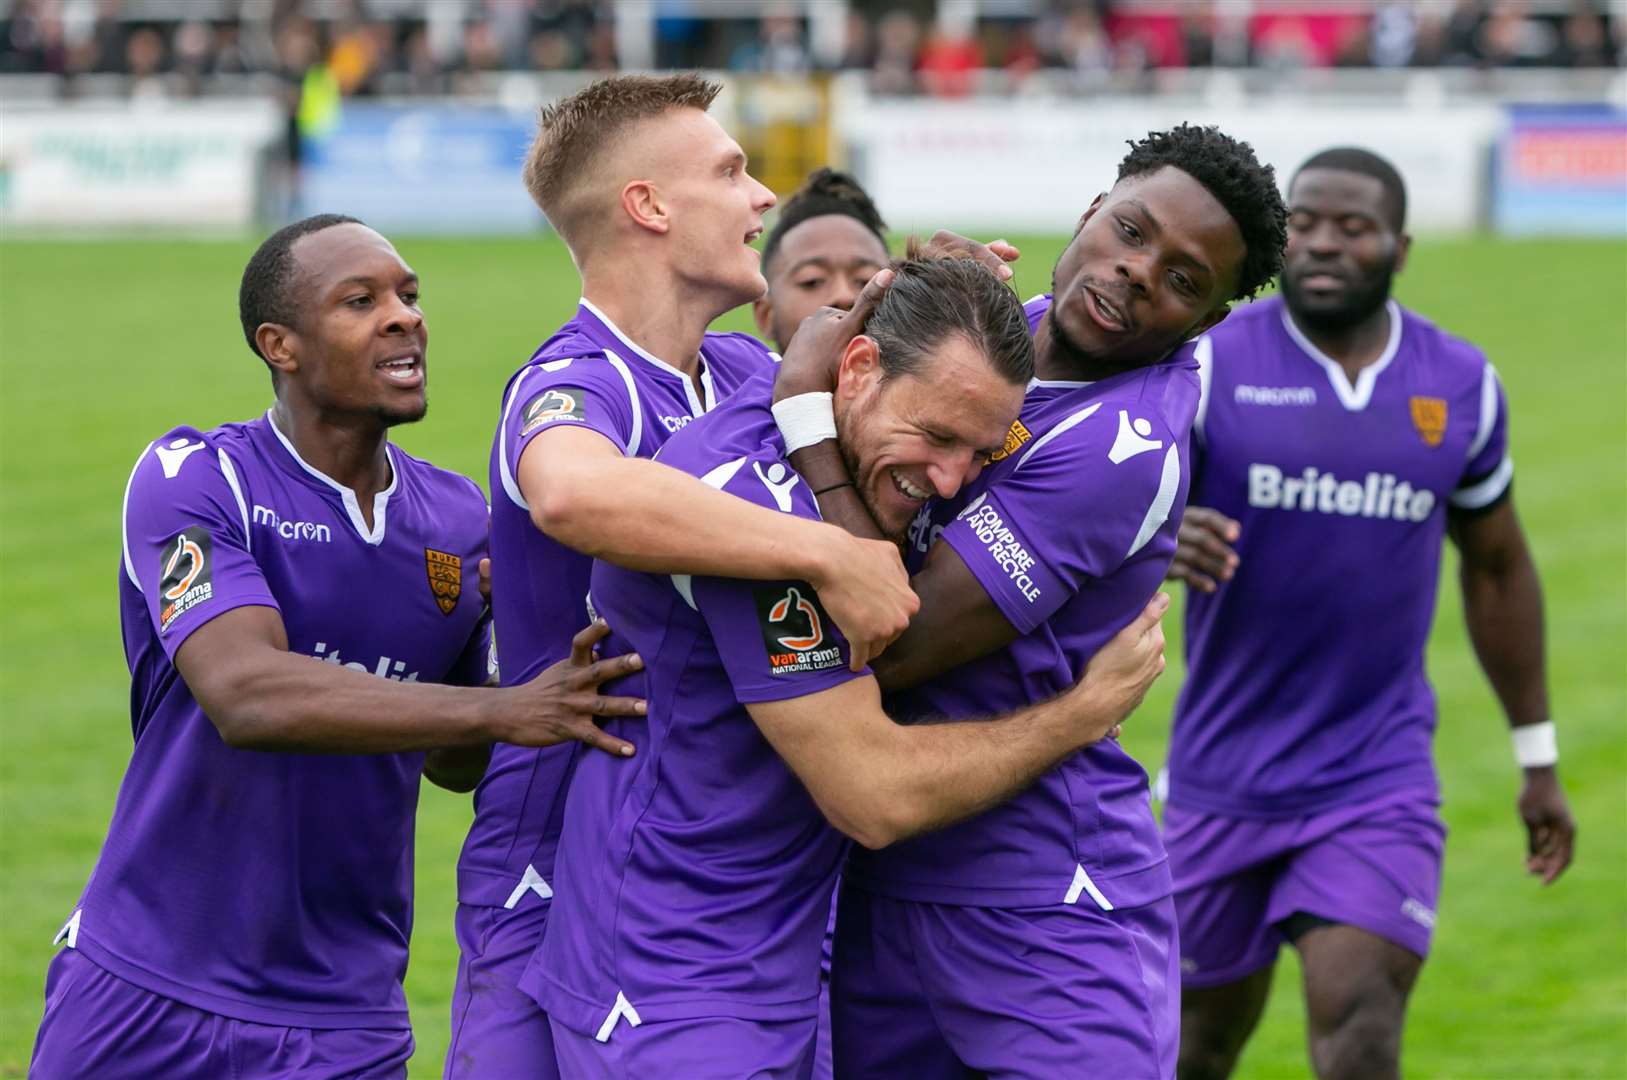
(445,578)
(794,631)
(555,403)
(1244,394)
(1429,417)
(1014,441)
(185,577)
(387,667)
(291,530)
(1003,545)
(1380,495)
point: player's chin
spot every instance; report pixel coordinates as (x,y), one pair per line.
(405,409)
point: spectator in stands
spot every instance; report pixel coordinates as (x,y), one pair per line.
(1585,44)
(898,38)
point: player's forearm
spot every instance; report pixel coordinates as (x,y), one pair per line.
(1503,608)
(822,468)
(644,516)
(295,704)
(928,776)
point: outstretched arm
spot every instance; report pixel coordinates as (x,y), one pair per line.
(645,516)
(1502,603)
(881,782)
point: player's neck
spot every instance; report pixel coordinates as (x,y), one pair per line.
(666,322)
(349,450)
(1055,361)
(1354,346)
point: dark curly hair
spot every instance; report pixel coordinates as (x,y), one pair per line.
(267,292)
(826,191)
(1357,160)
(1237,180)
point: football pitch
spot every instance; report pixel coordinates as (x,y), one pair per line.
(105,345)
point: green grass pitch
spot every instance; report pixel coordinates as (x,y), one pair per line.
(104,345)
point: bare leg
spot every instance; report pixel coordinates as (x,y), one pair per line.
(1216,1022)
(1356,987)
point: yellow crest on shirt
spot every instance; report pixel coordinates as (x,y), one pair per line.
(1429,417)
(445,578)
(1014,440)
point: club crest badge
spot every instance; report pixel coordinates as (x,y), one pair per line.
(1429,417)
(445,578)
(1014,441)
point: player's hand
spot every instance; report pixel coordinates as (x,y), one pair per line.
(1119,675)
(1203,549)
(485,581)
(1550,830)
(810,361)
(867,592)
(563,703)
(994,255)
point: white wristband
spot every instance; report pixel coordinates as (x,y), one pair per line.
(804,420)
(1535,745)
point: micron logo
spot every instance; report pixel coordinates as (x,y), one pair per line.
(291,530)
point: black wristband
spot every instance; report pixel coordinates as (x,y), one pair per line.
(833,487)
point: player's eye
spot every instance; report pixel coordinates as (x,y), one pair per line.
(811,283)
(1354,226)
(410,299)
(359,301)
(1301,221)
(1131,233)
(1183,283)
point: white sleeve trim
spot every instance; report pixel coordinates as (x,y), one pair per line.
(1204,354)
(1488,490)
(124,520)
(1073,420)
(510,487)
(230,473)
(1158,513)
(1488,411)
(637,434)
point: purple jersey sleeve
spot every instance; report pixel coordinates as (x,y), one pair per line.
(1488,470)
(774,637)
(1074,508)
(186,537)
(587,391)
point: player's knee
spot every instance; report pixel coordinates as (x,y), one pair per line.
(1363,1042)
(1208,1050)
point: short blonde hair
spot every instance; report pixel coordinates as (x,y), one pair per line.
(574,132)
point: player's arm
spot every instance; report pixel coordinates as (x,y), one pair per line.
(1502,604)
(262,697)
(880,782)
(645,516)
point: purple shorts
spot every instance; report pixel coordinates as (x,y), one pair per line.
(1375,865)
(96,1024)
(933,990)
(710,1048)
(497,1029)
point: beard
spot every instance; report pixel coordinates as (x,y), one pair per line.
(391,417)
(851,459)
(1359,302)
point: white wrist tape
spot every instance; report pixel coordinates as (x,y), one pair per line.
(804,420)
(1535,745)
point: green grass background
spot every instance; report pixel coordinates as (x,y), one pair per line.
(104,345)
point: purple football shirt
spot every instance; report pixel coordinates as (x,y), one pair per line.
(1305,673)
(1070,532)
(591,375)
(271,887)
(700,871)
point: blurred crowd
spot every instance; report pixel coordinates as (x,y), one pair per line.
(412,47)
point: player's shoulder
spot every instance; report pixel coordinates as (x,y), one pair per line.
(744,346)
(1440,348)
(1113,441)
(443,487)
(1245,324)
(169,455)
(737,448)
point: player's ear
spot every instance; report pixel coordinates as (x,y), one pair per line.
(859,369)
(1090,212)
(1403,247)
(643,203)
(278,344)
(762,313)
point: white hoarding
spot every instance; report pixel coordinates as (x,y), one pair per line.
(1034,165)
(141,163)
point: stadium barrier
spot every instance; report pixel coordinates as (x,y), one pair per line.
(1562,169)
(198,164)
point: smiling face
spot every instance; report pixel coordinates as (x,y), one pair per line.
(922,434)
(1344,247)
(361,342)
(824,261)
(714,206)
(1154,263)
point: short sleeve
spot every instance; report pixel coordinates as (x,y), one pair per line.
(477,664)
(592,392)
(1488,470)
(186,537)
(775,638)
(1075,508)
